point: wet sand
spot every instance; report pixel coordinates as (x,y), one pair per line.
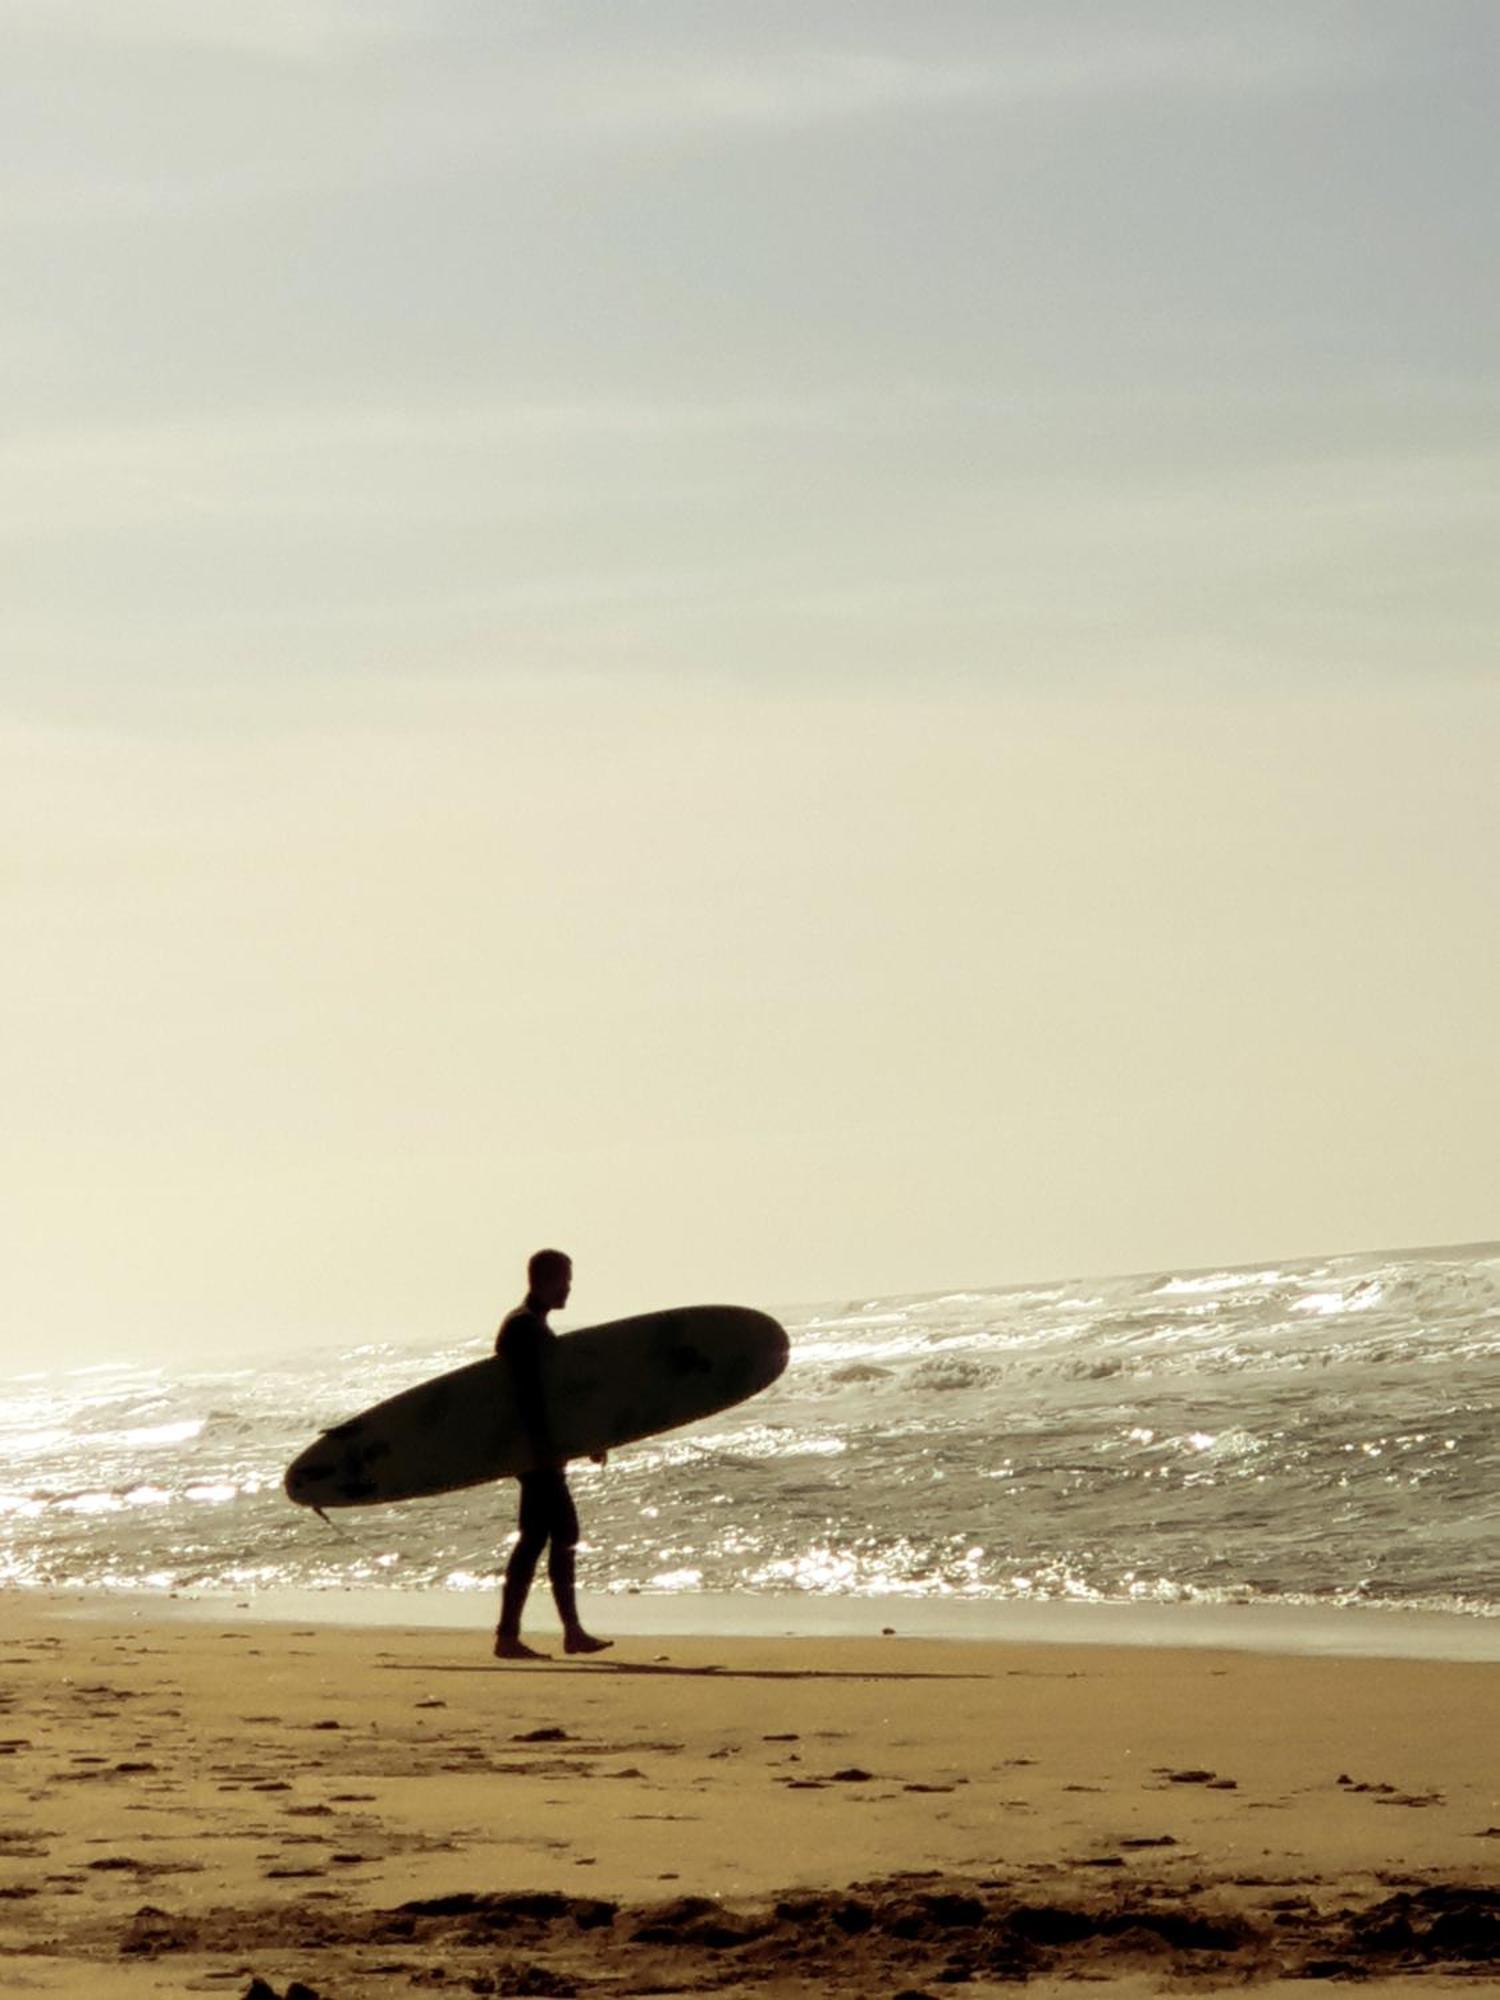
(186,1807)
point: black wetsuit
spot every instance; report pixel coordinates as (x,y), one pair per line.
(547,1511)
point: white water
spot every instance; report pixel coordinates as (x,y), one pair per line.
(1320,1432)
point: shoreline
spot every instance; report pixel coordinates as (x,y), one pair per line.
(1290,1630)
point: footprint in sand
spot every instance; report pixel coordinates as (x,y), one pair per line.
(127,1864)
(25,1844)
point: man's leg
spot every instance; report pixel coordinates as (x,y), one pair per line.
(561,1563)
(519,1571)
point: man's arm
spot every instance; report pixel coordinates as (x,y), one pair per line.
(521,1346)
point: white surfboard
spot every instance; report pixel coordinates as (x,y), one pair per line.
(605,1386)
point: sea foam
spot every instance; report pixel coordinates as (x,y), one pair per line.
(1319,1431)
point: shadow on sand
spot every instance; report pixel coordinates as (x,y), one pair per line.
(548,1665)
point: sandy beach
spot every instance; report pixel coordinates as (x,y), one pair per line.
(191,1806)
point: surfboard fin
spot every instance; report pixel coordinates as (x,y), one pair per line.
(336,1529)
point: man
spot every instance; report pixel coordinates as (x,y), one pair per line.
(548,1515)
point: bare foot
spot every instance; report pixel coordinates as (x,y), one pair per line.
(516,1649)
(585,1642)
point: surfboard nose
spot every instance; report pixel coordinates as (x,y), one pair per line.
(778,1346)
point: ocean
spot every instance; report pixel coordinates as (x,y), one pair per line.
(1319,1432)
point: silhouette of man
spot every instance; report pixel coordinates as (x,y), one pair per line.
(548,1516)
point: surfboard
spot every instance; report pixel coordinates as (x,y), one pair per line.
(605,1386)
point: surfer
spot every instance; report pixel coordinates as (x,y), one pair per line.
(549,1520)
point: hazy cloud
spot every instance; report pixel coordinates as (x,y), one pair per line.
(799,625)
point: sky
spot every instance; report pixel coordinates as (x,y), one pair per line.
(816,650)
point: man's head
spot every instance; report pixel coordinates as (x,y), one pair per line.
(549,1278)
